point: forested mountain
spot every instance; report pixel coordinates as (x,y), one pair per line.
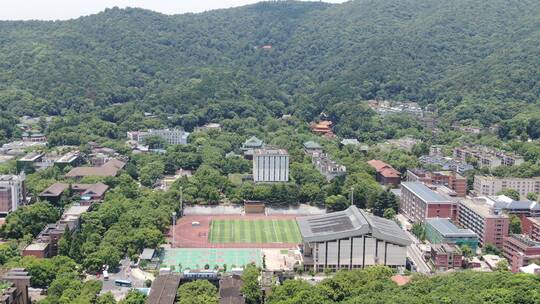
(476,59)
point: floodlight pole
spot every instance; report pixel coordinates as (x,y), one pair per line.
(352,196)
(173,224)
(181,200)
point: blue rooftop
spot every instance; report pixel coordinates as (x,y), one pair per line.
(427,195)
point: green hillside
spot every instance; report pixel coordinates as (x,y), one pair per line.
(482,55)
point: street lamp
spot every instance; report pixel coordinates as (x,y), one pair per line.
(173,224)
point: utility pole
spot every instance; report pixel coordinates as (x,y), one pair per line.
(173,227)
(352,196)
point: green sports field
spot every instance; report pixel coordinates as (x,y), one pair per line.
(197,258)
(259,231)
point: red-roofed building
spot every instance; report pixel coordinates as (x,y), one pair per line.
(386,174)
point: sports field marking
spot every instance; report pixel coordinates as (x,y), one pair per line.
(258,231)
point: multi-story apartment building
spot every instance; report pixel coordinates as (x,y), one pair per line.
(171,136)
(351,239)
(12,192)
(418,203)
(449,179)
(326,166)
(531,226)
(520,250)
(270,165)
(489,223)
(487,157)
(446,163)
(491,185)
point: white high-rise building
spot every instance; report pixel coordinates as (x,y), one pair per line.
(12,192)
(270,165)
(171,136)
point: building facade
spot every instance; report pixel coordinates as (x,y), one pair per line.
(520,251)
(12,192)
(443,231)
(491,185)
(351,239)
(487,157)
(446,256)
(270,165)
(450,179)
(490,224)
(418,203)
(171,136)
(531,227)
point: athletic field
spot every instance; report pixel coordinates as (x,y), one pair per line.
(258,231)
(198,258)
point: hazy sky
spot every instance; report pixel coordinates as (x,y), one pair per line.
(68,9)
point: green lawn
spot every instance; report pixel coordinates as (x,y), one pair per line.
(254,231)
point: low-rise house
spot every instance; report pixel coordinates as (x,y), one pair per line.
(54,192)
(111,168)
(446,256)
(90,193)
(385,174)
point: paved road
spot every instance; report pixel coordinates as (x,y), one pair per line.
(124,273)
(415,254)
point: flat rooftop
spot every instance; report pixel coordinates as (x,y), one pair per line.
(481,207)
(424,193)
(351,222)
(448,229)
(37,246)
(263,152)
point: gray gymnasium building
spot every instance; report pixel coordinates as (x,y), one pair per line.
(351,239)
